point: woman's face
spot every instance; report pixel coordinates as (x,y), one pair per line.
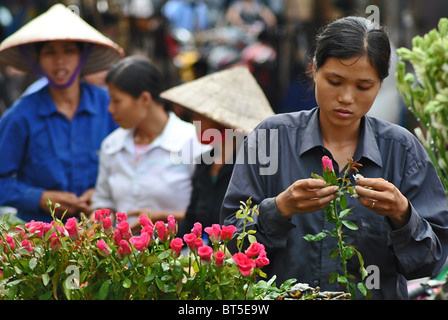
(126,110)
(345,90)
(59,60)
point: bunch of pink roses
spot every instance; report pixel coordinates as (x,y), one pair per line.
(97,259)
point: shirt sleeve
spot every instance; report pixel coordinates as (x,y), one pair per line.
(13,143)
(421,247)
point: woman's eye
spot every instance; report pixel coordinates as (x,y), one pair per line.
(363,88)
(334,83)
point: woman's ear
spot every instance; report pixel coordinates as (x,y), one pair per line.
(146,97)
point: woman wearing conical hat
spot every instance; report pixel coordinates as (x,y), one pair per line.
(50,138)
(225,106)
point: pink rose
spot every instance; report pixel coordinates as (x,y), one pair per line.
(227,232)
(140,242)
(100,214)
(219,258)
(190,239)
(197,229)
(123,226)
(117,237)
(35,227)
(171,224)
(262,260)
(27,246)
(121,216)
(245,264)
(72,227)
(176,245)
(213,232)
(104,248)
(205,252)
(124,248)
(162,230)
(145,221)
(107,223)
(10,242)
(327,164)
(149,230)
(255,249)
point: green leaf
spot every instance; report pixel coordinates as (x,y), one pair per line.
(343,203)
(345,213)
(127,283)
(350,224)
(363,288)
(316,237)
(104,290)
(33,263)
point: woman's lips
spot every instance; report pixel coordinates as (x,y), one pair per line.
(343,113)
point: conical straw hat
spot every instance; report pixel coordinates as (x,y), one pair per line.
(231,97)
(60,23)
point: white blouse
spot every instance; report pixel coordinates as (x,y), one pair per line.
(152,180)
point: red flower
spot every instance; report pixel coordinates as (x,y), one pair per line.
(197,229)
(176,245)
(123,226)
(190,239)
(104,248)
(227,232)
(107,223)
(162,230)
(10,242)
(171,224)
(124,248)
(255,249)
(121,216)
(140,242)
(72,227)
(149,230)
(219,258)
(205,252)
(245,264)
(262,260)
(27,245)
(145,221)
(327,164)
(213,232)
(36,227)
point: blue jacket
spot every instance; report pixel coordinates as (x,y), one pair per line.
(40,149)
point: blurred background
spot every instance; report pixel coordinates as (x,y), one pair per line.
(191,38)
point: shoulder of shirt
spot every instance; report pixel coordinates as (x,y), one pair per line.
(287,120)
(24,107)
(386,130)
(114,142)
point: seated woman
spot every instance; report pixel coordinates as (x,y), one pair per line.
(50,137)
(137,174)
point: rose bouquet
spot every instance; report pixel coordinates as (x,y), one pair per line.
(94,259)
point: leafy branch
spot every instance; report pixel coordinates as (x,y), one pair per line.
(336,213)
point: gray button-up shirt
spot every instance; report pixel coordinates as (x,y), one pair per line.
(289,147)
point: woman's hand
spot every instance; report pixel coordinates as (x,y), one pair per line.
(67,201)
(384,199)
(305,196)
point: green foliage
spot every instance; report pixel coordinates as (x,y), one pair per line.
(46,261)
(426,92)
(335,213)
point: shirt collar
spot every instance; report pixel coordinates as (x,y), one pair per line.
(48,107)
(170,139)
(367,145)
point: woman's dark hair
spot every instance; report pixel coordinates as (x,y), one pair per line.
(136,74)
(351,37)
